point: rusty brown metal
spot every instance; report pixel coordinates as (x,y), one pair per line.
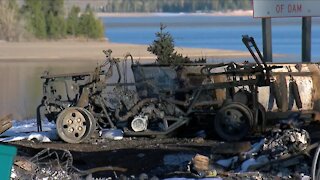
(5,123)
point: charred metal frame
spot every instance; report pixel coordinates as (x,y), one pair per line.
(251,75)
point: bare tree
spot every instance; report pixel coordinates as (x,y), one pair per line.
(10,26)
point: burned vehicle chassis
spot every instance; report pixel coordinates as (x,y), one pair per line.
(153,109)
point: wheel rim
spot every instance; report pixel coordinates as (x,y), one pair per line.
(233,121)
(74,125)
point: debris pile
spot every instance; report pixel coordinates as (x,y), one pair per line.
(284,153)
(47,163)
(286,142)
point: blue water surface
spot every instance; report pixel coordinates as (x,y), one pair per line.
(222,32)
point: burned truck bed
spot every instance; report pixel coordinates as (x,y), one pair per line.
(228,99)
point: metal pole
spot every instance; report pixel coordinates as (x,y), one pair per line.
(267,39)
(306,39)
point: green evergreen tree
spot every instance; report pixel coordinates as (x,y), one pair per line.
(73,21)
(36,23)
(83,24)
(56,25)
(99,30)
(89,26)
(62,28)
(52,26)
(163,48)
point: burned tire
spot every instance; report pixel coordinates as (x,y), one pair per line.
(75,124)
(243,97)
(275,91)
(295,93)
(233,121)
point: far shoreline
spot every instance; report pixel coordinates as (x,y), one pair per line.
(245,13)
(65,50)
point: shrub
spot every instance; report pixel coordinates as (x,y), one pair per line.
(10,25)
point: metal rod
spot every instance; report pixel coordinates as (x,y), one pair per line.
(267,39)
(103,105)
(39,120)
(306,39)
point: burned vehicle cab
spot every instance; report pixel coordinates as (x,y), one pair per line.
(157,79)
(161,99)
(167,81)
(83,103)
(65,101)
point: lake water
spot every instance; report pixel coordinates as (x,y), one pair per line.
(21,89)
(214,32)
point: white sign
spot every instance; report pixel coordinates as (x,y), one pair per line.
(285,8)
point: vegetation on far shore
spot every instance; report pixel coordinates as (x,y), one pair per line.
(46,20)
(176,6)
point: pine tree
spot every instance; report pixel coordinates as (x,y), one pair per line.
(73,21)
(89,26)
(35,18)
(163,46)
(56,25)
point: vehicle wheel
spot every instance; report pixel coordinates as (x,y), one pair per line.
(242,96)
(233,121)
(75,124)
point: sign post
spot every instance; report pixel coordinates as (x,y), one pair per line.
(306,39)
(267,39)
(287,8)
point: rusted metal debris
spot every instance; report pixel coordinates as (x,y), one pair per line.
(56,165)
(5,123)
